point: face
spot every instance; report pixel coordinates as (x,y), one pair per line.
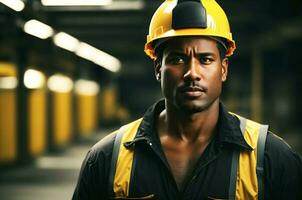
(191,73)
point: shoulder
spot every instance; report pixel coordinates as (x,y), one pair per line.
(93,177)
(104,147)
(102,150)
(277,147)
(279,155)
(283,169)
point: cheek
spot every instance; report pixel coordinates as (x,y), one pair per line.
(170,79)
(214,80)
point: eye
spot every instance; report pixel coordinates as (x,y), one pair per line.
(175,60)
(206,60)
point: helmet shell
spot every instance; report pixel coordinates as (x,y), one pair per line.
(161,25)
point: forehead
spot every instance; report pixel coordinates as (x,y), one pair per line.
(199,44)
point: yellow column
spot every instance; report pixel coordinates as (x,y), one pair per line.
(87,113)
(37,121)
(8,114)
(62,118)
(8,138)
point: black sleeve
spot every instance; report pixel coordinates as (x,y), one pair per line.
(282,169)
(93,178)
(90,183)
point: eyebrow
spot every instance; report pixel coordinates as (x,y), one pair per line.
(181,53)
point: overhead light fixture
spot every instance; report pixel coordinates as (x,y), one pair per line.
(66,41)
(34,79)
(87,51)
(8,82)
(98,57)
(38,29)
(60,83)
(126,5)
(16,5)
(107,61)
(86,87)
(113,5)
(75,2)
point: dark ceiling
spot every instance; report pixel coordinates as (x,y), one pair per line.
(122,33)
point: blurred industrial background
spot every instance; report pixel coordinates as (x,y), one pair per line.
(70,74)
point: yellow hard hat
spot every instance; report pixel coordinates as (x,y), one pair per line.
(188,18)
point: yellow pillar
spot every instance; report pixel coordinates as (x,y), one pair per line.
(8,114)
(62,118)
(87,114)
(37,121)
(8,137)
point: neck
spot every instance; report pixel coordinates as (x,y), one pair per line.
(189,126)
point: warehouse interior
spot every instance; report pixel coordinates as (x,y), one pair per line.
(56,102)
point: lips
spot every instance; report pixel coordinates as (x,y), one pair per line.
(192,91)
(190,88)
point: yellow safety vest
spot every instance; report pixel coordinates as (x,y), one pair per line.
(246,180)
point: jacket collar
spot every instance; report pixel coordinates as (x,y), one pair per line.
(229,132)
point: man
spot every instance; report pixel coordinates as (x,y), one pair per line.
(188,146)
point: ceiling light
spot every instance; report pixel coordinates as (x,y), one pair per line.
(16,5)
(115,5)
(107,61)
(86,51)
(98,57)
(34,79)
(9,82)
(75,2)
(38,29)
(66,41)
(126,5)
(86,87)
(60,83)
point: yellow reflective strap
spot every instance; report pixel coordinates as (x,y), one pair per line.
(235,163)
(251,133)
(247,184)
(260,160)
(124,161)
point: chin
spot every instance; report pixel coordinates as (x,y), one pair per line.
(192,107)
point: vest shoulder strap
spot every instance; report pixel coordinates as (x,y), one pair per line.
(115,152)
(121,161)
(253,131)
(119,179)
(234,164)
(260,160)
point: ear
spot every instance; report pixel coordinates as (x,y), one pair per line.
(224,69)
(157,69)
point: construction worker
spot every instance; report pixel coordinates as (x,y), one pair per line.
(188,146)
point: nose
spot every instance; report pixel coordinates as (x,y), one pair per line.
(192,72)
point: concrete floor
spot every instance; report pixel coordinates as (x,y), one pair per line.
(50,177)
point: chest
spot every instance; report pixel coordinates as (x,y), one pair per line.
(182,159)
(200,176)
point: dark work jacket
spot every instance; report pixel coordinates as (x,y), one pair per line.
(210,177)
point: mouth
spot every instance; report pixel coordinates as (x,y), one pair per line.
(192,91)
